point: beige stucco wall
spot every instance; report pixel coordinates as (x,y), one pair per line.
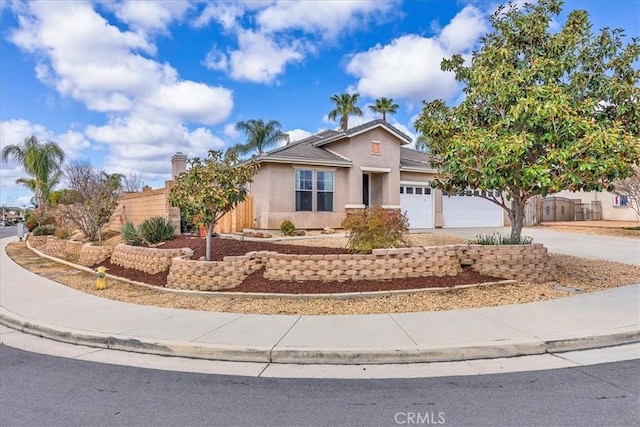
(273,191)
(384,186)
(609,212)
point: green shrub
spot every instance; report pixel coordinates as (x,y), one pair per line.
(287,228)
(62,233)
(157,229)
(44,230)
(376,228)
(498,239)
(130,234)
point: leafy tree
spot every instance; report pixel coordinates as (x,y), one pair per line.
(630,187)
(544,110)
(92,200)
(42,162)
(260,136)
(384,106)
(345,107)
(210,188)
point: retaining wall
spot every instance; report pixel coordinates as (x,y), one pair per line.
(149,260)
(92,255)
(381,265)
(213,275)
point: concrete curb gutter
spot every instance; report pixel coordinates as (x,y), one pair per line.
(311,355)
(225,294)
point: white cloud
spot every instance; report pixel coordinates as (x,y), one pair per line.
(150,15)
(298,134)
(260,59)
(191,101)
(463,31)
(263,30)
(329,19)
(417,59)
(225,14)
(231,131)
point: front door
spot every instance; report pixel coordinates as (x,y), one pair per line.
(365,190)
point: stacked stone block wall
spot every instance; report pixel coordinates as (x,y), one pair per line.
(530,263)
(193,275)
(149,260)
(72,248)
(382,264)
(37,241)
(92,255)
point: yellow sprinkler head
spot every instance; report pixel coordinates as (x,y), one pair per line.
(101,277)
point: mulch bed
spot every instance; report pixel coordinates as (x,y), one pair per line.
(257,283)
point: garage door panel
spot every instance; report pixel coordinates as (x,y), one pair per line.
(417,205)
(470,211)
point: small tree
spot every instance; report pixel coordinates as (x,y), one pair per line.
(544,111)
(630,187)
(92,200)
(210,188)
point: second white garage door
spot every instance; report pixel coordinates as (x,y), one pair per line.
(470,211)
(416,201)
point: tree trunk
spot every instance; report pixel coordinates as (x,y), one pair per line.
(516,215)
(344,122)
(209,233)
(384,116)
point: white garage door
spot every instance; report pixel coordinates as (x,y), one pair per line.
(416,202)
(470,211)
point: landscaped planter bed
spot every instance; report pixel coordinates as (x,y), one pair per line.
(281,268)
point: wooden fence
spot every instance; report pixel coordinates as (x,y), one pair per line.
(238,219)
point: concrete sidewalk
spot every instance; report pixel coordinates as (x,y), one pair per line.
(39,306)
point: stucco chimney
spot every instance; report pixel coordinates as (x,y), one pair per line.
(178,164)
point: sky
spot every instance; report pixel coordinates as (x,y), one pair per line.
(126,84)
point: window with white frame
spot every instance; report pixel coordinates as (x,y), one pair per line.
(324,191)
(307,193)
(304,190)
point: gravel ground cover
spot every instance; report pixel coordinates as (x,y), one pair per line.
(587,275)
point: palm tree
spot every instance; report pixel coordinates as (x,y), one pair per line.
(42,161)
(384,106)
(260,136)
(345,107)
(422,143)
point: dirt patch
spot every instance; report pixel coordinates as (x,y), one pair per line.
(222,247)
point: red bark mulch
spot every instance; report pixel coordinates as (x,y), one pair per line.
(256,282)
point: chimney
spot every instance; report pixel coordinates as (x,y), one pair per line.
(178,164)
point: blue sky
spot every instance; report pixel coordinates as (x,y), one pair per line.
(126,84)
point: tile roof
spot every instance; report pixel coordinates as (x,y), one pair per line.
(309,149)
(414,159)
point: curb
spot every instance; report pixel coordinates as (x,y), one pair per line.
(310,355)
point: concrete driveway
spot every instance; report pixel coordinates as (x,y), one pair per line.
(620,249)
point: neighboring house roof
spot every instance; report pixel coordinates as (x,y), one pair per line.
(414,160)
(310,151)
